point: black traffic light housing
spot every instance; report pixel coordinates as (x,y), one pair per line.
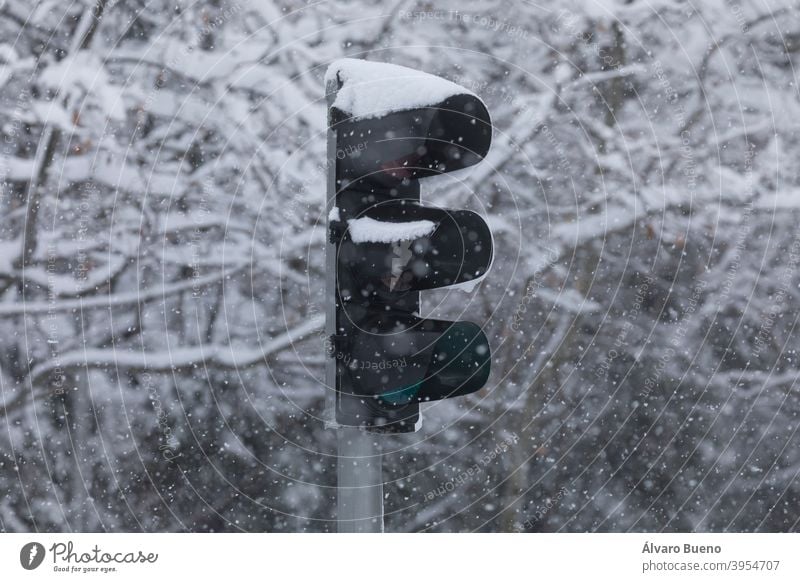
(387,247)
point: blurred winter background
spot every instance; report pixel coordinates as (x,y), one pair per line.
(161,265)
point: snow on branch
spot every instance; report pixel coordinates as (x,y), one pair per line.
(114,300)
(167,360)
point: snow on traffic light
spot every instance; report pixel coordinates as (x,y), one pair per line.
(389,128)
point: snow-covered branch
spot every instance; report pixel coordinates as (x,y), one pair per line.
(124,299)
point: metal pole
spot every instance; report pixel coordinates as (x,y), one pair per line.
(360,485)
(360,458)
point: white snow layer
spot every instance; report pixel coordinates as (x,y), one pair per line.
(333,215)
(372,89)
(83,73)
(369,230)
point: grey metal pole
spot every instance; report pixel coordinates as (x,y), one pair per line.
(360,485)
(360,458)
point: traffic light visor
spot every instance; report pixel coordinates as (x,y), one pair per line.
(413,144)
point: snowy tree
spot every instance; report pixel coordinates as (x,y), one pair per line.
(161,266)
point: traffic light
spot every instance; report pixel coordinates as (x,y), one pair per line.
(389,128)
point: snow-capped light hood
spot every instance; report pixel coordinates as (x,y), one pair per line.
(371,89)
